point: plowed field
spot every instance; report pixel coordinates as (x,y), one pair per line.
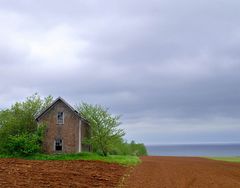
(30,173)
(162,172)
(184,172)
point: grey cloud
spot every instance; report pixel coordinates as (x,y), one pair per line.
(157,59)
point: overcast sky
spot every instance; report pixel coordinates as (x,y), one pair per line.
(171,68)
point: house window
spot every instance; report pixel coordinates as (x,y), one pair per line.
(60,118)
(58,144)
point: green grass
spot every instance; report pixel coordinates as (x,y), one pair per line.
(228,159)
(120,159)
(4,156)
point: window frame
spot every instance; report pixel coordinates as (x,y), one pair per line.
(58,141)
(62,121)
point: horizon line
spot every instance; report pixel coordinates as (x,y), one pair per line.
(197,143)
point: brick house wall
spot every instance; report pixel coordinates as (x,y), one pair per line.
(71,133)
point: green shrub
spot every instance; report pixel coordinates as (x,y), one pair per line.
(124,148)
(138,149)
(19,130)
(25,143)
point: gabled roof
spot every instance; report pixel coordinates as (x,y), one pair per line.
(44,111)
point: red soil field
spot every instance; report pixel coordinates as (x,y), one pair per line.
(184,172)
(165,172)
(30,173)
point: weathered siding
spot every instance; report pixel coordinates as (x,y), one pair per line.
(85,133)
(68,132)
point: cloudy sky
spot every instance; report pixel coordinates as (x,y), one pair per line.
(171,68)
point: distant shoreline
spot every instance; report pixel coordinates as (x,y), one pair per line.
(195,150)
(186,144)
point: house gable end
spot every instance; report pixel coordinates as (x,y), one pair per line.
(50,107)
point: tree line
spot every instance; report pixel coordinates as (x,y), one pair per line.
(21,135)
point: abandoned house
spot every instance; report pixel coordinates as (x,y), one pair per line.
(65,130)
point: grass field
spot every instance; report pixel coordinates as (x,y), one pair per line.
(228,159)
(120,159)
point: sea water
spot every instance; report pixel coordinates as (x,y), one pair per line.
(195,150)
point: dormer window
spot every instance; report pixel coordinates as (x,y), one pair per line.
(60,118)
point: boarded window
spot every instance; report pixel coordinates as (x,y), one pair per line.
(60,118)
(58,144)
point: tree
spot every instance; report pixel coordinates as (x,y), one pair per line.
(104,130)
(132,148)
(25,143)
(19,120)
